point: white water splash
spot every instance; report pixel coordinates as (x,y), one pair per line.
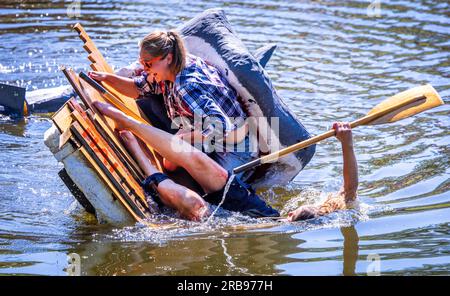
(225,191)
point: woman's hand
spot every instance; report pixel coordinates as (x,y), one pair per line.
(99,76)
(192,137)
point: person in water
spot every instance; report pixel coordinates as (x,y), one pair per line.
(345,198)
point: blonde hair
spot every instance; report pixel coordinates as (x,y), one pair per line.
(160,44)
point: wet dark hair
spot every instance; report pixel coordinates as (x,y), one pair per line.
(160,44)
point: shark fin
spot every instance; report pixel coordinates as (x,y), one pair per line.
(263,54)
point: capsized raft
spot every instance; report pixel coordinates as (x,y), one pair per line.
(104,177)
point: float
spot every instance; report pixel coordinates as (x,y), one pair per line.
(100,172)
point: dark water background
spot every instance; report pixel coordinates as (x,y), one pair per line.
(333,62)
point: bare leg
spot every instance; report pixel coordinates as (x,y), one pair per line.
(187,202)
(209,174)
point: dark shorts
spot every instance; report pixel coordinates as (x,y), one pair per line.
(242,198)
(233,158)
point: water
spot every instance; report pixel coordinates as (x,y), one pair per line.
(333,62)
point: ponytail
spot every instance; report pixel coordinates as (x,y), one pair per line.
(160,44)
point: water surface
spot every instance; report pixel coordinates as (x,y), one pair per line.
(333,62)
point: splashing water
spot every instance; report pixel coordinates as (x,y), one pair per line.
(225,191)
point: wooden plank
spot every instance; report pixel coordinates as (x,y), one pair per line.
(62,118)
(91,46)
(86,98)
(123,193)
(64,138)
(99,64)
(100,172)
(117,147)
(110,156)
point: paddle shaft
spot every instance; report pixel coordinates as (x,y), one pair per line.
(362,121)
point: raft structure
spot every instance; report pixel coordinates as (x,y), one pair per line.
(98,169)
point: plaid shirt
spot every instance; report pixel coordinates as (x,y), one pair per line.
(201,91)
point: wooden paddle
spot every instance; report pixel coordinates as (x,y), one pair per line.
(400,106)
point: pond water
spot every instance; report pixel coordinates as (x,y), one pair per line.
(335,60)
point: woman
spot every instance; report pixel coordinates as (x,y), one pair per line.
(191,89)
(198,99)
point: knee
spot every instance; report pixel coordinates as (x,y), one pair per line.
(222,175)
(198,159)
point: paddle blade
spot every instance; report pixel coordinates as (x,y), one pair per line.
(409,103)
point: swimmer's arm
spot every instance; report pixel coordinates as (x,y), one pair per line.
(347,193)
(350,187)
(123,85)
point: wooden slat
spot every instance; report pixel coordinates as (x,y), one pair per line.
(117,147)
(64,138)
(109,156)
(88,95)
(91,46)
(99,64)
(62,118)
(125,195)
(116,194)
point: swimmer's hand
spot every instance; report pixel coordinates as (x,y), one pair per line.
(344,133)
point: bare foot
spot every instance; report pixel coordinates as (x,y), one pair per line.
(193,207)
(303,213)
(187,202)
(122,121)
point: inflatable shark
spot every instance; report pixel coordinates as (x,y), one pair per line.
(211,37)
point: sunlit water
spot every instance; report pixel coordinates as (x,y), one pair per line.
(333,62)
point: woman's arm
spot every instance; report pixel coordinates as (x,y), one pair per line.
(125,86)
(214,121)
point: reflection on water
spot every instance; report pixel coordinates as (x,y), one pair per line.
(333,62)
